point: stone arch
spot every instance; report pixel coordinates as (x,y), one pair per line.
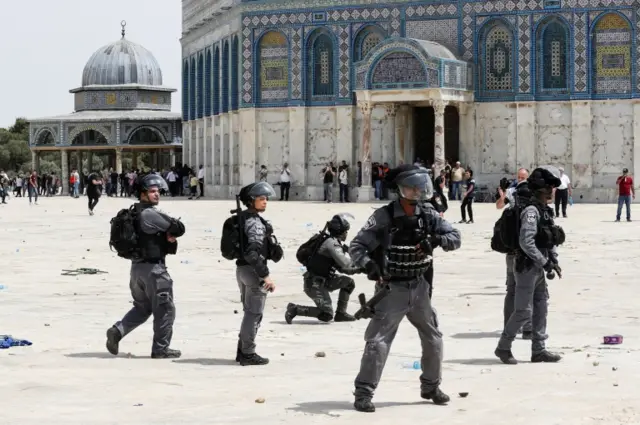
(272,53)
(553,55)
(159,136)
(365,40)
(44,136)
(101,134)
(611,43)
(322,65)
(497,57)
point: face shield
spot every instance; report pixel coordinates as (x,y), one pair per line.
(415,185)
(261,189)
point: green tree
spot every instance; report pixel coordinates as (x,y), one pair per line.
(14,146)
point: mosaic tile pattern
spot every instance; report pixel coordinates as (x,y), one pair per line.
(580,52)
(553,56)
(524,53)
(296,36)
(637,20)
(274,67)
(442,31)
(497,55)
(611,55)
(344,59)
(398,68)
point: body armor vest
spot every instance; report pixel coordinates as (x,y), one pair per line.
(549,234)
(152,247)
(321,265)
(265,250)
(404,258)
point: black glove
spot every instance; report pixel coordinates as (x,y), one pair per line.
(551,266)
(345,248)
(436,241)
(373,271)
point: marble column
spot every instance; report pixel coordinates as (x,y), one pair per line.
(172,157)
(34,159)
(119,160)
(90,161)
(365,151)
(400,123)
(438,145)
(64,165)
(389,145)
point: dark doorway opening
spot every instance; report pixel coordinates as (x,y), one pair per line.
(423,134)
(451,134)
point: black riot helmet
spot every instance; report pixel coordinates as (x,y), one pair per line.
(412,182)
(148,181)
(339,225)
(543,180)
(250,192)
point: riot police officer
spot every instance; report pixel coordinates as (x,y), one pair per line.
(150,283)
(538,236)
(519,192)
(320,278)
(395,247)
(252,272)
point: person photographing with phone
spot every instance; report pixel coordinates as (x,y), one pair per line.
(625,193)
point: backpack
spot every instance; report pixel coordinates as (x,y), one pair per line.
(506,230)
(231,241)
(124,233)
(311,247)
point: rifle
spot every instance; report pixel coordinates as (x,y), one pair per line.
(367,308)
(240,224)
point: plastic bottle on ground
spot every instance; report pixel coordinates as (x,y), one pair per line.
(412,365)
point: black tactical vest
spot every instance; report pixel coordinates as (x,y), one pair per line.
(549,234)
(153,247)
(404,259)
(265,251)
(321,265)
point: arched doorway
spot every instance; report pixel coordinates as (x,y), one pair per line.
(146,136)
(88,138)
(45,138)
(451,134)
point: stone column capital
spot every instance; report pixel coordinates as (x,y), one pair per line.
(391,109)
(365,106)
(438,106)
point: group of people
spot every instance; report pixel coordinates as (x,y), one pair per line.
(394,248)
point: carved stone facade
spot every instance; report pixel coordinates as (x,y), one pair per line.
(501,64)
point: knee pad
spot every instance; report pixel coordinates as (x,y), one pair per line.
(164,298)
(325,317)
(349,285)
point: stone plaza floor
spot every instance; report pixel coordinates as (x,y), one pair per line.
(67,377)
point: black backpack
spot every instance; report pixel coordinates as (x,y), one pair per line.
(124,233)
(231,242)
(506,231)
(311,247)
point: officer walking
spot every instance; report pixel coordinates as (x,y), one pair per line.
(508,198)
(320,278)
(395,247)
(150,283)
(538,238)
(252,272)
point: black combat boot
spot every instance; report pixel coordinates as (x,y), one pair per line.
(528,335)
(291,312)
(239,352)
(364,405)
(437,396)
(545,357)
(113,340)
(505,356)
(169,353)
(253,360)
(343,316)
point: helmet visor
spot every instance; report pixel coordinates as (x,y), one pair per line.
(261,189)
(415,186)
(154,181)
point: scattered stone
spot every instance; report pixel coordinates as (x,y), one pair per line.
(137,405)
(615,385)
(235,311)
(260,400)
(596,363)
(321,354)
(614,368)
(463,394)
(588,355)
(47,325)
(282,354)
(483,371)
(88,250)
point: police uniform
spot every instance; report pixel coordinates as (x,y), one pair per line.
(150,283)
(321,279)
(392,242)
(538,237)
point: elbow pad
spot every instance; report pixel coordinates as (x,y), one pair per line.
(176,229)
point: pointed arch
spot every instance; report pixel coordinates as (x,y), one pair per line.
(611,36)
(497,57)
(207,84)
(192,89)
(185,91)
(321,66)
(553,65)
(216,81)
(235,75)
(366,39)
(273,64)
(200,86)
(225,77)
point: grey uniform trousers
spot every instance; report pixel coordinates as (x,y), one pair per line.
(319,290)
(510,298)
(410,299)
(253,299)
(531,294)
(152,292)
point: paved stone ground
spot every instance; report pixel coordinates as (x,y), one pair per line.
(67,376)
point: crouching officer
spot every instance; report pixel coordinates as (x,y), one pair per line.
(538,236)
(395,247)
(150,283)
(252,273)
(321,278)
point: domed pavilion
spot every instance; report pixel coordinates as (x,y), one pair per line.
(121,108)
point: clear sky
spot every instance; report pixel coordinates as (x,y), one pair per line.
(44,45)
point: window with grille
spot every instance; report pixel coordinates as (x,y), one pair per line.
(322,60)
(498,73)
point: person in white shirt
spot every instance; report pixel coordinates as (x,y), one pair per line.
(343,178)
(201,180)
(563,192)
(172,180)
(285,182)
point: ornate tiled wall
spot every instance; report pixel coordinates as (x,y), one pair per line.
(513,70)
(122,99)
(273,54)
